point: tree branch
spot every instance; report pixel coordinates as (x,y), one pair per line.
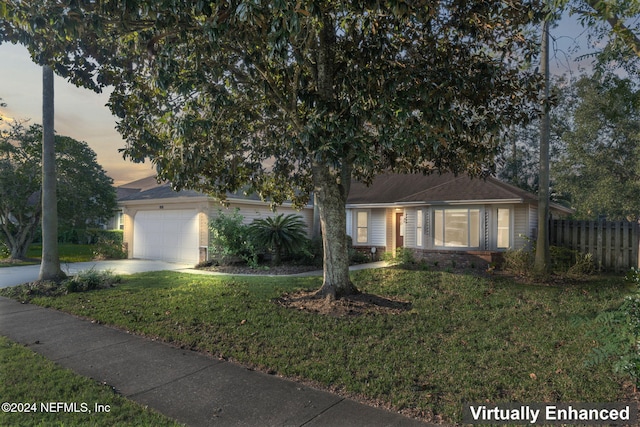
(631,39)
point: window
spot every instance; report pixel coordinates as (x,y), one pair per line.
(419,227)
(362,226)
(504,228)
(457,228)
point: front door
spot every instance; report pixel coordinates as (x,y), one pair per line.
(399,230)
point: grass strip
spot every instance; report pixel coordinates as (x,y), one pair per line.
(466,339)
(35,385)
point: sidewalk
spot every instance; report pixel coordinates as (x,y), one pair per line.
(190,387)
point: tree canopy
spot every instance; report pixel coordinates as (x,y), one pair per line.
(599,170)
(86,197)
(287,98)
(613,26)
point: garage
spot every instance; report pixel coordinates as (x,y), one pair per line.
(167,235)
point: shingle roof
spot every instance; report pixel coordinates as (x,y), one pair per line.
(405,188)
(149,188)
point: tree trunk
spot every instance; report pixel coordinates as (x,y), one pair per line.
(542,265)
(18,245)
(50,266)
(331,196)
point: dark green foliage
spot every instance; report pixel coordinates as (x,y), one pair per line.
(598,170)
(109,247)
(281,234)
(618,334)
(230,239)
(85,196)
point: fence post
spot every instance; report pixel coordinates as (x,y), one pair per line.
(626,249)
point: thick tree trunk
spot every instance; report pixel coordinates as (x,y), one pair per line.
(20,244)
(331,196)
(50,266)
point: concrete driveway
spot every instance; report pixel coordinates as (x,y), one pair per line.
(11,276)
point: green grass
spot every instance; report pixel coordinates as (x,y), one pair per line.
(466,339)
(26,377)
(68,253)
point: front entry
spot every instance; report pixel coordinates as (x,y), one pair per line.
(399,230)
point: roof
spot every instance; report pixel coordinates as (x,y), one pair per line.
(149,188)
(404,189)
(447,187)
(386,189)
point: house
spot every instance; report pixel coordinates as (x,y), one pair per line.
(163,224)
(443,216)
(435,216)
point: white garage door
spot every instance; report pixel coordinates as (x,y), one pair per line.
(168,235)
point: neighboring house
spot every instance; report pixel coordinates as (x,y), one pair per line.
(438,216)
(163,224)
(433,215)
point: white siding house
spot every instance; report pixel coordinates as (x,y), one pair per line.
(442,214)
(430,214)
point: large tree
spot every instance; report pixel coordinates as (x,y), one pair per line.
(599,171)
(85,193)
(289,98)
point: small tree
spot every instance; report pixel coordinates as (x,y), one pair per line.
(282,234)
(85,193)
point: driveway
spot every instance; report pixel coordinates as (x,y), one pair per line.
(11,276)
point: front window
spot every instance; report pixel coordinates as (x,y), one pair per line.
(504,228)
(362,225)
(457,228)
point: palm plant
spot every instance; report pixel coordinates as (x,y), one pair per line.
(282,234)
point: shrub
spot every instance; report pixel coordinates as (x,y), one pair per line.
(618,334)
(404,257)
(231,240)
(91,279)
(518,261)
(584,265)
(562,258)
(283,235)
(109,247)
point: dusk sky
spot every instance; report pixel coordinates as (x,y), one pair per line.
(82,114)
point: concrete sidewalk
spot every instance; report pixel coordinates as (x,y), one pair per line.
(190,387)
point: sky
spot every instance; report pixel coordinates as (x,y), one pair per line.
(83,115)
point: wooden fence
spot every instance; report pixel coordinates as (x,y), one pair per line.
(613,244)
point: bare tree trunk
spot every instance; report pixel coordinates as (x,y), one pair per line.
(331,194)
(542,264)
(50,266)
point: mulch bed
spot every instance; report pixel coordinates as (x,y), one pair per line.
(264,270)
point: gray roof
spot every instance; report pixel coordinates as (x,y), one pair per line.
(447,187)
(149,188)
(385,189)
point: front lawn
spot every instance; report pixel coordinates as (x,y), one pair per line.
(68,253)
(464,339)
(28,381)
